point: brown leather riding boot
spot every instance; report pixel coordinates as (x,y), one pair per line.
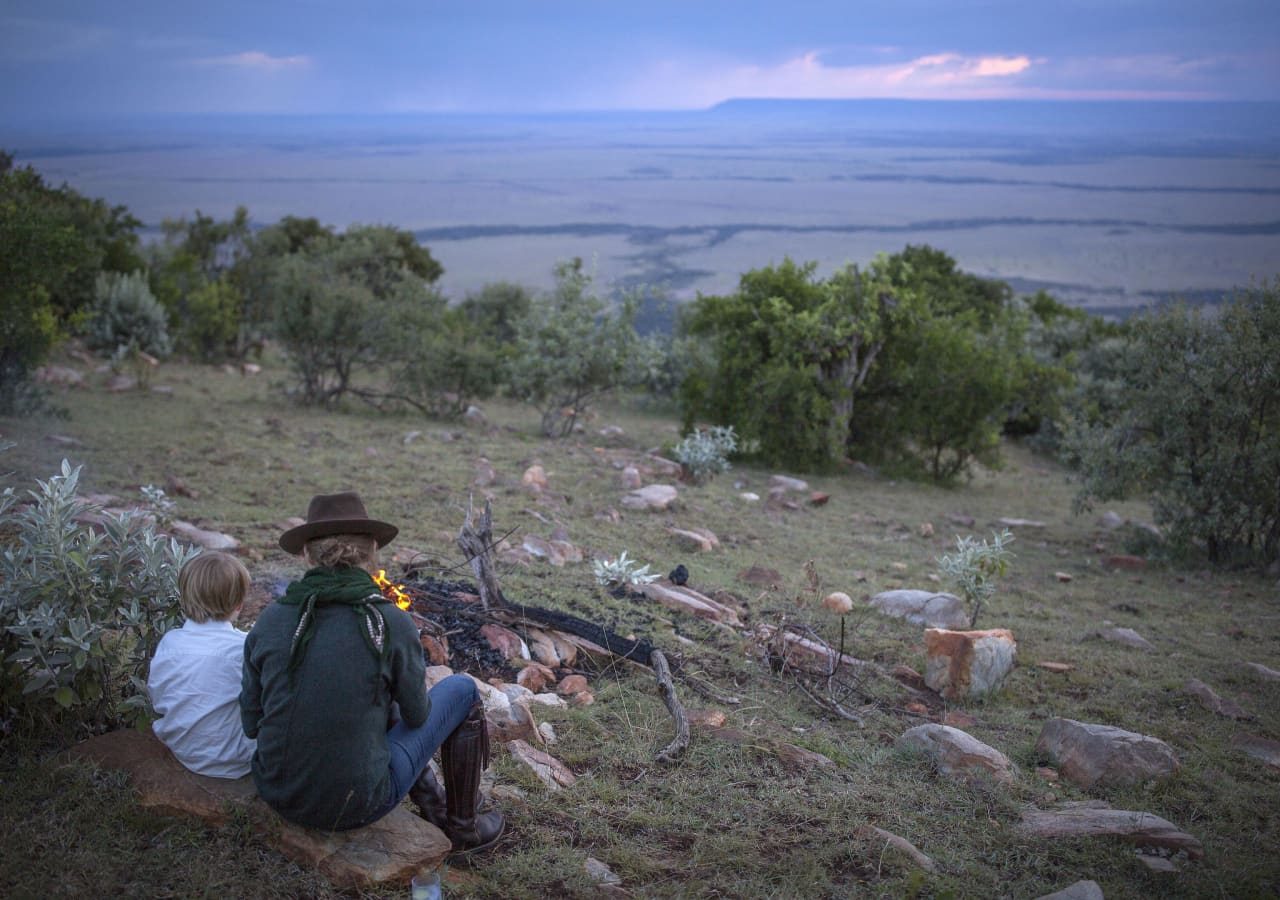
(463,757)
(428,795)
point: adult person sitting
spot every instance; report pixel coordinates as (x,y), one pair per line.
(323,667)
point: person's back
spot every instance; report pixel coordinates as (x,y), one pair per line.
(195,675)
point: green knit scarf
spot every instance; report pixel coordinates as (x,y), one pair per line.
(346,586)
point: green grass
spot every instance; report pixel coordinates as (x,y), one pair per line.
(728,820)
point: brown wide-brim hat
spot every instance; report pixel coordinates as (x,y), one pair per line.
(342,513)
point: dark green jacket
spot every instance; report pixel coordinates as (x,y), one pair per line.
(322,747)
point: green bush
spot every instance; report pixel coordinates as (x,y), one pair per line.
(1196,427)
(705,453)
(571,348)
(126,316)
(444,363)
(82,607)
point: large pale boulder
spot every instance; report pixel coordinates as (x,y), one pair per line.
(393,849)
(1095,818)
(651,496)
(927,608)
(968,663)
(957,754)
(1100,755)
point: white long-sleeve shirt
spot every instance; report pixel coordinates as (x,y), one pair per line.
(195,689)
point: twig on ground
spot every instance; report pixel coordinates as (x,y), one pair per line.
(829,704)
(680,743)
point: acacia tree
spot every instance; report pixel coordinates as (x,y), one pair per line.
(789,354)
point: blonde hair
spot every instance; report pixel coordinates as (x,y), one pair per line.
(212,586)
(335,550)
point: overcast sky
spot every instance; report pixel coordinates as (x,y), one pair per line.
(72,58)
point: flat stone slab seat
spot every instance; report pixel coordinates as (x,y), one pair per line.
(395,848)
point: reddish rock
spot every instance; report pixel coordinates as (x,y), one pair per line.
(504,640)
(909,676)
(1088,754)
(1060,668)
(818,498)
(630,479)
(706,718)
(485,474)
(534,479)
(393,849)
(512,723)
(838,602)
(582,698)
(957,719)
(957,754)
(571,684)
(916,707)
(651,497)
(1064,577)
(1097,819)
(436,648)
(1208,697)
(968,663)
(1260,748)
(1047,773)
(551,649)
(550,771)
(1127,563)
(693,540)
(760,575)
(535,677)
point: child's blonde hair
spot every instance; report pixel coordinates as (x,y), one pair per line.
(212,586)
(335,550)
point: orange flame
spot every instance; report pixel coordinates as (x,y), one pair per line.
(393,592)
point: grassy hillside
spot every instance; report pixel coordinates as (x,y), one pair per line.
(729,819)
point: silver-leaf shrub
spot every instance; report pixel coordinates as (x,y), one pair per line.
(705,453)
(85,596)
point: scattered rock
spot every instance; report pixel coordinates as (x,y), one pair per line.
(535,676)
(1209,698)
(957,719)
(1123,561)
(957,754)
(550,771)
(795,759)
(961,519)
(699,540)
(475,415)
(1126,636)
(1060,668)
(566,552)
(749,496)
(818,498)
(899,566)
(787,483)
(548,732)
(210,540)
(1081,890)
(535,478)
(571,684)
(760,575)
(516,693)
(505,641)
(908,676)
(1099,755)
(928,608)
(801,652)
(652,496)
(555,701)
(1047,773)
(611,431)
(599,872)
(435,675)
(686,599)
(59,376)
(967,663)
(838,602)
(629,480)
(540,548)
(435,647)
(248,368)
(119,384)
(551,650)
(1265,672)
(1064,577)
(1110,520)
(1020,523)
(582,698)
(393,849)
(1095,818)
(485,474)
(706,718)
(1158,863)
(513,722)
(901,844)
(1259,748)
(176,486)
(663,466)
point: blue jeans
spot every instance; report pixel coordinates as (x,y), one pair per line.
(412,748)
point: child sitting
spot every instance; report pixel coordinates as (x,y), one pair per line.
(195,675)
